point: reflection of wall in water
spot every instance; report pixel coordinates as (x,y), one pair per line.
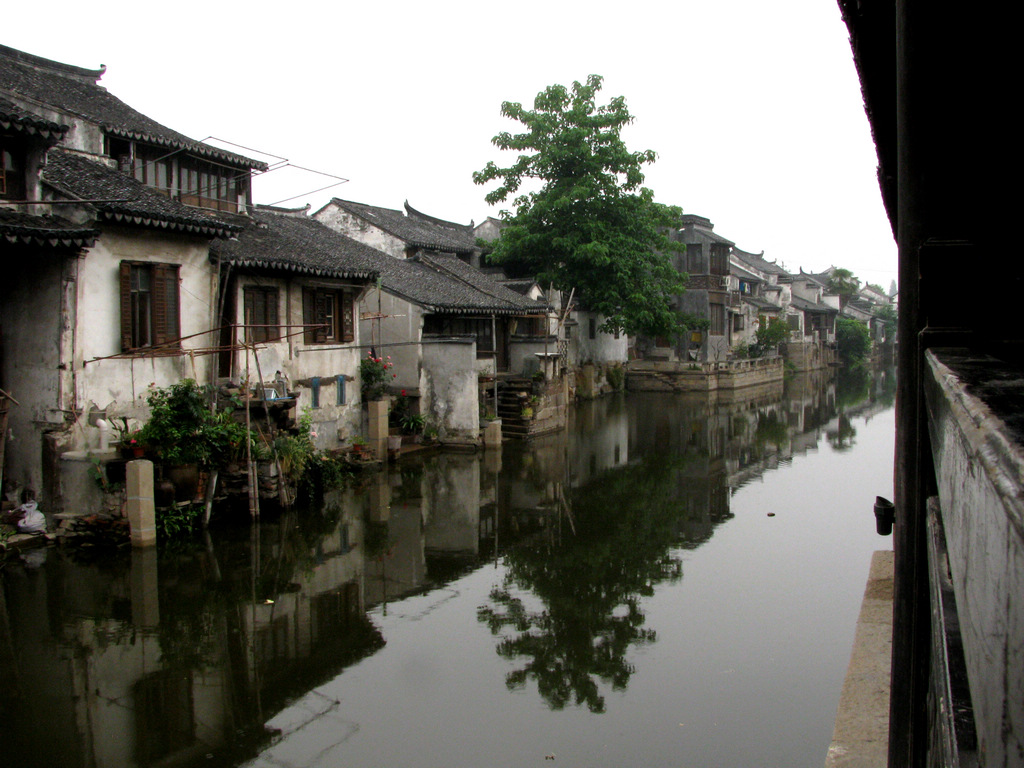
(95,689)
(598,438)
(451,504)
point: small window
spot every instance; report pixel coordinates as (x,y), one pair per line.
(329,316)
(261,318)
(12,170)
(149,305)
(593,328)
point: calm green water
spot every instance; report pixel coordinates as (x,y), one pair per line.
(614,595)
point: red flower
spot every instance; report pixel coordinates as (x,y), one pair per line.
(403,393)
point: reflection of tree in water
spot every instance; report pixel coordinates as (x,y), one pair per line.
(842,438)
(771,430)
(852,385)
(589,580)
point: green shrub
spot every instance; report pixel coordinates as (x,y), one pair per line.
(615,375)
(852,339)
(374,376)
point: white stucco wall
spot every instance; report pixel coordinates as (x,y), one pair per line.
(604,348)
(397,334)
(449,388)
(359,229)
(119,385)
(299,362)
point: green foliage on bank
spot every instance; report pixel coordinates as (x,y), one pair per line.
(591,226)
(852,340)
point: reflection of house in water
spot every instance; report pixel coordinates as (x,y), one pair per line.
(143,662)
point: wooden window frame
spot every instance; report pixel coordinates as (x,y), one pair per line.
(162,313)
(261,314)
(13,159)
(329,315)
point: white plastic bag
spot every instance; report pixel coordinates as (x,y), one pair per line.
(33,520)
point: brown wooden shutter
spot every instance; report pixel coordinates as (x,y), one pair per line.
(322,311)
(165,304)
(274,333)
(248,313)
(125,281)
(308,314)
(348,332)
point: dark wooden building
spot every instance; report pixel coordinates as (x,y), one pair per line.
(935,78)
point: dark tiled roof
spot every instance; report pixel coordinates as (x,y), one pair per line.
(416,229)
(499,295)
(757,261)
(19,228)
(521,285)
(441,284)
(760,303)
(807,306)
(14,118)
(120,198)
(274,240)
(744,274)
(75,90)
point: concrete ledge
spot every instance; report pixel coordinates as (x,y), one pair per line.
(861,735)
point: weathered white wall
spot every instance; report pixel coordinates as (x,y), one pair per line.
(31,323)
(605,348)
(397,334)
(118,386)
(83,136)
(359,229)
(449,389)
(299,362)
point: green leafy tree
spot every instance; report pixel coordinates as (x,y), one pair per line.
(768,336)
(887,314)
(844,284)
(852,339)
(591,225)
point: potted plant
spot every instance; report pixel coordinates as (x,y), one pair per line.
(374,376)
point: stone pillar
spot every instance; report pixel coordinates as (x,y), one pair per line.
(140,509)
(378,437)
(492,434)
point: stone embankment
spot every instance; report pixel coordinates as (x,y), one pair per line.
(676,376)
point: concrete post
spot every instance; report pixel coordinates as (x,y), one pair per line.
(492,434)
(378,437)
(140,509)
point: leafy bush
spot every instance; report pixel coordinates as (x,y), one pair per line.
(852,339)
(183,430)
(615,375)
(768,336)
(175,521)
(374,376)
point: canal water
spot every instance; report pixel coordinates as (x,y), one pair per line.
(669,582)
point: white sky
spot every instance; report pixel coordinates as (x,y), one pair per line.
(754,108)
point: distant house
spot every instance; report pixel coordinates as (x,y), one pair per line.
(444,323)
(706,261)
(457,298)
